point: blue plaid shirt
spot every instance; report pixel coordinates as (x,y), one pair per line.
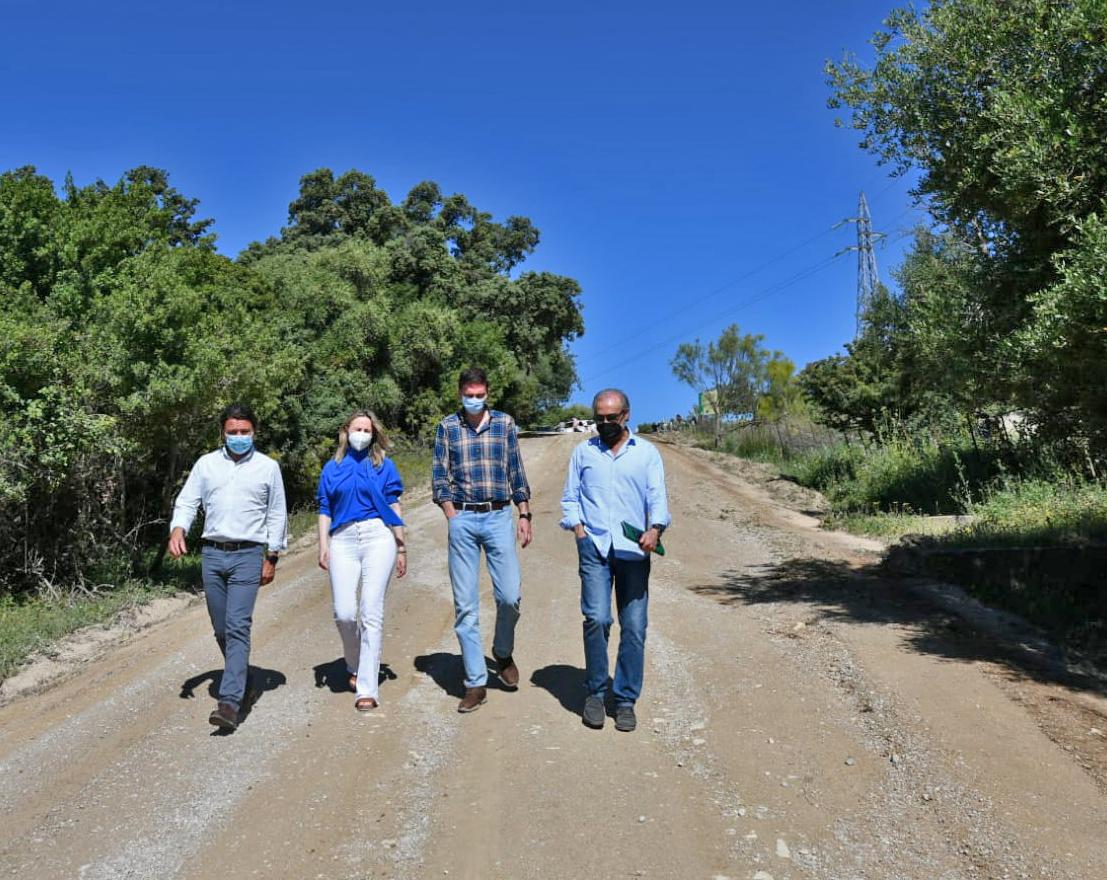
(472,466)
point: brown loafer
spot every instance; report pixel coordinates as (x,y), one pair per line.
(365,704)
(473,699)
(509,672)
(224,716)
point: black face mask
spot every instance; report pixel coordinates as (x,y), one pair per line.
(610,432)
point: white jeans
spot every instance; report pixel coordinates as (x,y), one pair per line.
(364,553)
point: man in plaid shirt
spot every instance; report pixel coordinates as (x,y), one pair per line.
(477,474)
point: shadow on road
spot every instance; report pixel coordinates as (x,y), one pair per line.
(445,669)
(565,683)
(835,590)
(448,672)
(333,676)
(261,681)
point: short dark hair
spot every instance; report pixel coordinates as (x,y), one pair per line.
(238,411)
(472,376)
(613,391)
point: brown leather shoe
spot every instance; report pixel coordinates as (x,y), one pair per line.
(473,699)
(224,716)
(509,672)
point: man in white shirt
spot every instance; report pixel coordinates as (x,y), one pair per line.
(245,528)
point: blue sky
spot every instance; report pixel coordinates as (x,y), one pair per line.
(669,152)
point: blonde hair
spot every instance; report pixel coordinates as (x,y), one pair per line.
(377,448)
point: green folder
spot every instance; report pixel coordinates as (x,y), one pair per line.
(632,533)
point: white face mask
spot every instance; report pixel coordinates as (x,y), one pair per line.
(360,440)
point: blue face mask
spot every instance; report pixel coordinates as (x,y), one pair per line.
(473,405)
(240,444)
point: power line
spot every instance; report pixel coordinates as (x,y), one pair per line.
(688,304)
(765,294)
(802,275)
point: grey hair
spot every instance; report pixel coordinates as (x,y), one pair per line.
(610,391)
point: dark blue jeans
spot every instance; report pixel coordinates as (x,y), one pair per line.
(631,580)
(231,581)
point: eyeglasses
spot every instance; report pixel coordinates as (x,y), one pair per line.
(610,417)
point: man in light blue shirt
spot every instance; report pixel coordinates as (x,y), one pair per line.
(242,494)
(614,478)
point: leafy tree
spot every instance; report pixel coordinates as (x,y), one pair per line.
(783,395)
(123,332)
(734,369)
(1000,108)
(1064,344)
(997,104)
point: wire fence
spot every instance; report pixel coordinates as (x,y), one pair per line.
(753,438)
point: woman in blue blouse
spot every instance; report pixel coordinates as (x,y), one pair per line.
(361,538)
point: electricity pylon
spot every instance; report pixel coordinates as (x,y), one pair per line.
(867,278)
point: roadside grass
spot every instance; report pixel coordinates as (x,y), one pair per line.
(899,476)
(30,622)
(1019,532)
(1038,513)
(891,526)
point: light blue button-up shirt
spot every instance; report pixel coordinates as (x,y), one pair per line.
(243,500)
(602,491)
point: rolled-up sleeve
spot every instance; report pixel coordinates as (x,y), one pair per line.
(276,513)
(570,495)
(517,475)
(441,487)
(393,483)
(656,501)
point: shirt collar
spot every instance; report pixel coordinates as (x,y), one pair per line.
(245,458)
(485,423)
(632,440)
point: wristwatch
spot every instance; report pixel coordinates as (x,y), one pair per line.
(660,529)
(272,558)
(526,516)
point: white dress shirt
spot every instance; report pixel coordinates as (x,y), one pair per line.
(243,500)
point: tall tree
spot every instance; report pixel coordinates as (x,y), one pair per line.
(732,371)
(1001,109)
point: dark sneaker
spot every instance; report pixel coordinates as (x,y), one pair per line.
(593,712)
(224,716)
(473,699)
(509,672)
(624,719)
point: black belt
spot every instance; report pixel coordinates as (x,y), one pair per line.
(482,506)
(230,546)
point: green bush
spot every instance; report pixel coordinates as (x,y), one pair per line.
(1036,511)
(898,476)
(757,445)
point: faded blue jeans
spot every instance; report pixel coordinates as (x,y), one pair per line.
(495,533)
(631,580)
(231,581)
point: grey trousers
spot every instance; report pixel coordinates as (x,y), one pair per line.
(231,581)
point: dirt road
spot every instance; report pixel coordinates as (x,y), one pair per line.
(801,718)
